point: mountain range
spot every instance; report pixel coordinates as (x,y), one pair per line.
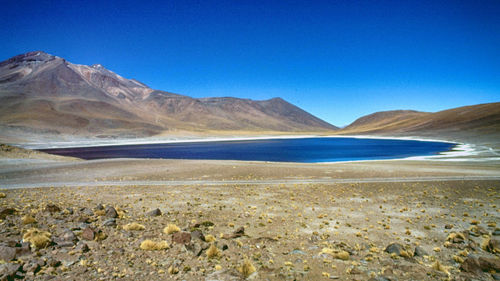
(45,95)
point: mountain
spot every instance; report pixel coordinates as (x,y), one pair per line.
(476,122)
(44,94)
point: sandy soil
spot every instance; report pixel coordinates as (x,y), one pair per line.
(289,221)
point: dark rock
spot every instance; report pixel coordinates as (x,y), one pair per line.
(154,213)
(448,226)
(496,232)
(7,253)
(69,210)
(394,248)
(207,224)
(181,237)
(99,207)
(225,247)
(111,212)
(471,265)
(109,222)
(4,212)
(8,271)
(197,234)
(493,246)
(52,208)
(53,262)
(489,264)
(88,234)
(420,252)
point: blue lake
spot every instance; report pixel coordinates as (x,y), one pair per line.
(305,150)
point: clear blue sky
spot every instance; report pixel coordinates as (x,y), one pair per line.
(336,59)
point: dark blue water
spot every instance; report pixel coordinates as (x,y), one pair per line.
(306,150)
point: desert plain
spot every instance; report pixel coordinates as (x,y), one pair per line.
(142,219)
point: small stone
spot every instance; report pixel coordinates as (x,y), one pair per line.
(7,253)
(87,211)
(448,226)
(394,248)
(111,212)
(23,249)
(237,233)
(8,271)
(82,247)
(181,237)
(197,234)
(154,213)
(52,208)
(496,232)
(88,234)
(109,222)
(53,262)
(32,266)
(99,207)
(495,276)
(68,236)
(420,252)
(493,246)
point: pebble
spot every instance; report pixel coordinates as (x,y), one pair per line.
(154,213)
(181,237)
(109,222)
(111,212)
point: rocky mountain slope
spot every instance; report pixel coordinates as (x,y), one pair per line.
(46,95)
(475,122)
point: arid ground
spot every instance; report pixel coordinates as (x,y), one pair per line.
(380,220)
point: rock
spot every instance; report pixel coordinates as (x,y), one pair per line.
(52,208)
(196,248)
(69,210)
(23,249)
(111,212)
(33,265)
(496,232)
(99,207)
(477,231)
(82,247)
(53,262)
(471,265)
(86,211)
(181,237)
(109,222)
(237,233)
(493,246)
(88,234)
(394,248)
(67,236)
(197,234)
(420,252)
(448,226)
(154,213)
(8,271)
(495,276)
(7,253)
(489,264)
(4,212)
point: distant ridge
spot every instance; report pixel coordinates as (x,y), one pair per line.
(468,123)
(43,94)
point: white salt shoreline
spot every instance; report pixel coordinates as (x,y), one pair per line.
(461,151)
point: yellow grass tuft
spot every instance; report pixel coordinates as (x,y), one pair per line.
(150,245)
(439,267)
(2,195)
(171,228)
(28,219)
(336,254)
(247,268)
(37,238)
(134,226)
(209,238)
(213,252)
